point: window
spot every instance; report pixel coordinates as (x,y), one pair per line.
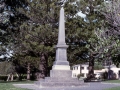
(82,68)
(76,68)
(75,75)
(73,68)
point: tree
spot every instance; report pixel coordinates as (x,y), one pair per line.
(38,35)
(112,15)
(9,21)
(111,12)
(75,39)
(3,19)
(37,28)
(92,22)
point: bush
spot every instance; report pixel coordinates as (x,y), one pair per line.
(3,78)
(80,75)
(98,67)
(105,75)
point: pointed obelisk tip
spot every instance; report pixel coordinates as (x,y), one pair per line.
(62,8)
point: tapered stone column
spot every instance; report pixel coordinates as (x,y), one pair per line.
(60,75)
(61,62)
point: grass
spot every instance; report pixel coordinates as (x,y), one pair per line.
(114,88)
(9,85)
(113,81)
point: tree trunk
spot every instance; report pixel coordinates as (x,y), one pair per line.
(11,76)
(28,71)
(8,77)
(42,67)
(91,68)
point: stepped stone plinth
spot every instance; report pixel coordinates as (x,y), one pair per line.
(60,75)
(59,78)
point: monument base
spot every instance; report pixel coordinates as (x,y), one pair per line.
(61,67)
(59,78)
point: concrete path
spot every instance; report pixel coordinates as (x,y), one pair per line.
(90,86)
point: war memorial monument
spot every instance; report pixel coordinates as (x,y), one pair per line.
(60,75)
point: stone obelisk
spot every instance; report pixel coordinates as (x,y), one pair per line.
(60,75)
(61,62)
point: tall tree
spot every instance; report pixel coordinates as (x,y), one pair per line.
(92,22)
(10,19)
(38,35)
(111,12)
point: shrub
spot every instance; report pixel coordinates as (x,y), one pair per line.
(105,75)
(80,75)
(98,67)
(3,78)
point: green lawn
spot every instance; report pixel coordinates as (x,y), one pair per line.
(8,85)
(114,88)
(113,81)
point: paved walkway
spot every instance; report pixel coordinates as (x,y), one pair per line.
(90,86)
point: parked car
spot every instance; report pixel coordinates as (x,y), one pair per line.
(98,76)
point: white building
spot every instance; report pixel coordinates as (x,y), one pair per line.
(114,69)
(77,69)
(83,69)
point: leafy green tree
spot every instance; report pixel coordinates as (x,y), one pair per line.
(10,19)
(111,12)
(6,68)
(3,19)
(77,53)
(38,35)
(36,32)
(91,23)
